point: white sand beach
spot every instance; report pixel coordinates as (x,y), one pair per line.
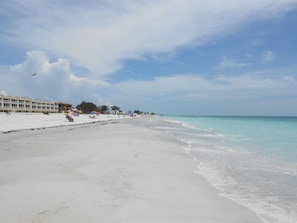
(115,170)
(19,121)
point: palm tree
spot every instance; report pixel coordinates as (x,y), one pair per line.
(103,108)
(116,109)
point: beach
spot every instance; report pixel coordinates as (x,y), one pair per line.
(109,170)
(21,121)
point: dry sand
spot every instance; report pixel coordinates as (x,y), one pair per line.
(114,171)
(18,121)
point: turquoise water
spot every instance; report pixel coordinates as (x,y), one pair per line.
(251,160)
(273,135)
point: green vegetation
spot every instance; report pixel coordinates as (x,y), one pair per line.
(87,107)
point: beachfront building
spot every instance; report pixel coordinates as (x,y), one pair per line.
(19,104)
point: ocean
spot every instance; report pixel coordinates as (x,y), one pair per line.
(250,160)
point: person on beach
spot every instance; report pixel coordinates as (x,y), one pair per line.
(68,116)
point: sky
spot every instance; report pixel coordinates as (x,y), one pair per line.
(174,57)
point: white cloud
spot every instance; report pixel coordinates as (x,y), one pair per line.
(231,63)
(87,81)
(53,80)
(2,92)
(101,35)
(192,86)
(184,93)
(268,57)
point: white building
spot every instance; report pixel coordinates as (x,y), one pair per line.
(18,104)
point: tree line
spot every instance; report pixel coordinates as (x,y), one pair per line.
(87,107)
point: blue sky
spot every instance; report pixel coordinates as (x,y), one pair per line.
(168,56)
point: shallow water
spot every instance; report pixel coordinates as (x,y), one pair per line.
(251,160)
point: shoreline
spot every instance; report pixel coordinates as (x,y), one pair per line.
(119,171)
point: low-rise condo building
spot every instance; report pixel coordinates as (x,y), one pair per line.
(19,104)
